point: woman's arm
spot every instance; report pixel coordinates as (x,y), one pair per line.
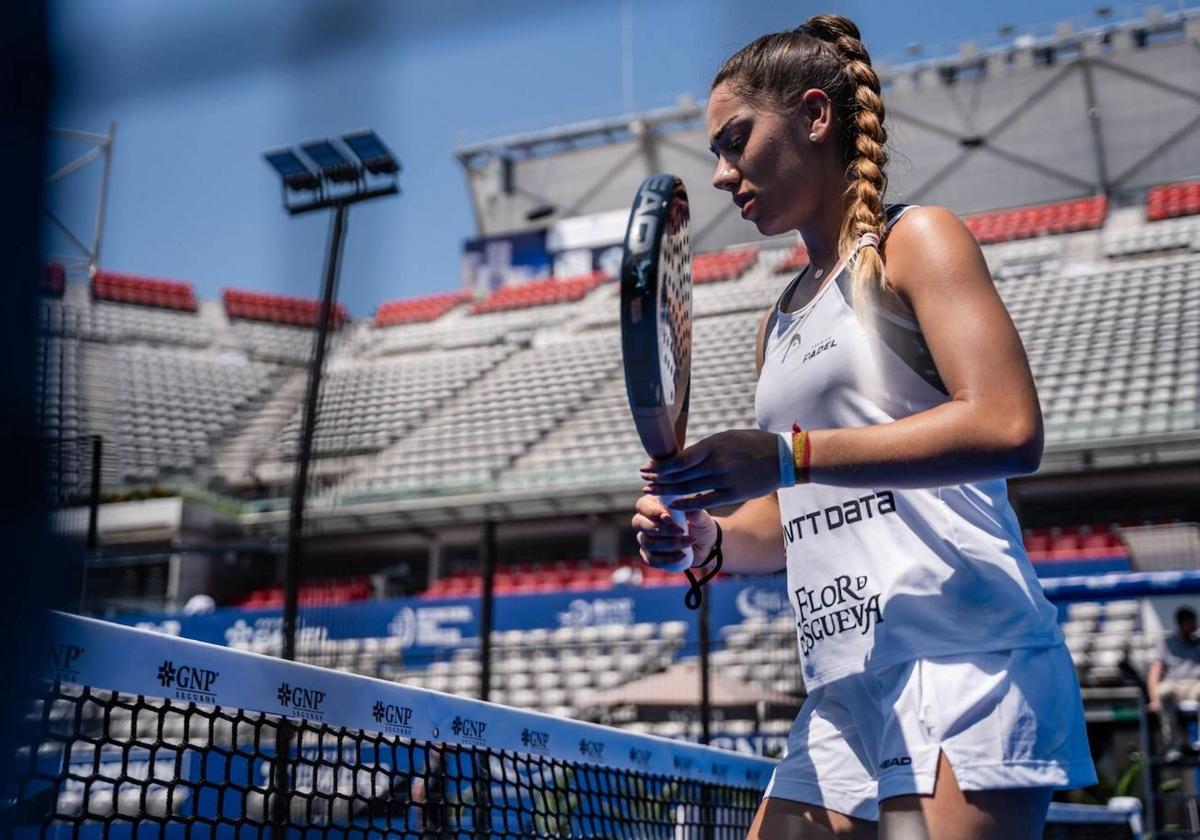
(992,425)
(990,428)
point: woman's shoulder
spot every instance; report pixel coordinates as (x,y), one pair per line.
(927,237)
(922,218)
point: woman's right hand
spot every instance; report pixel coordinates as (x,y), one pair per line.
(662,542)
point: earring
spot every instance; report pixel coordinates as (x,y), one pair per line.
(812,136)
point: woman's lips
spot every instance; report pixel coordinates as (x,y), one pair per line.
(746,208)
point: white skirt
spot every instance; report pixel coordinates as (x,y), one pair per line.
(1004,719)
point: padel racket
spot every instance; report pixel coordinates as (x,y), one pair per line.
(656,321)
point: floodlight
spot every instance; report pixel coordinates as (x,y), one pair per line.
(333,164)
(376,158)
(295,173)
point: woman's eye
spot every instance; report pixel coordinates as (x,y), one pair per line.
(736,144)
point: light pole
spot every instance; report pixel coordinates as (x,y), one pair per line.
(322,175)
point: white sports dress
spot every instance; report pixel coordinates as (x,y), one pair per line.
(891,586)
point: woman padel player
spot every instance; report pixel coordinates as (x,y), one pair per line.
(892,405)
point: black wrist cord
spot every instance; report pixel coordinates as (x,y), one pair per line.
(695,594)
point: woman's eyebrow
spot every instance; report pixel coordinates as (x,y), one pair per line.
(712,147)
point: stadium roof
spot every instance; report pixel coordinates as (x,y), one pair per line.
(1108,110)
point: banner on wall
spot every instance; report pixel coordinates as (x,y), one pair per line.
(426,625)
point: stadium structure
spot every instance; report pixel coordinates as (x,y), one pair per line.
(500,410)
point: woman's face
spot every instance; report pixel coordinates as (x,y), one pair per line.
(766,161)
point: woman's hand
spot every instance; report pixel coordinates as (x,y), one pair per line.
(663,542)
(725,468)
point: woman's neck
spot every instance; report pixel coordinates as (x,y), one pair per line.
(822,233)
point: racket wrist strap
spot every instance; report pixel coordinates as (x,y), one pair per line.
(695,594)
(801,454)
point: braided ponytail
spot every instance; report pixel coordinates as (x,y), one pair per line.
(863,129)
(826,52)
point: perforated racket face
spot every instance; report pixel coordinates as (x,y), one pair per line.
(656,314)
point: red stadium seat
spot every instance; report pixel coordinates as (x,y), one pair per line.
(1169,200)
(1041,220)
(539,293)
(722,265)
(280,309)
(415,310)
(54,280)
(143,291)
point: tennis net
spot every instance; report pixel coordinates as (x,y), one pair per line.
(144,735)
(141,735)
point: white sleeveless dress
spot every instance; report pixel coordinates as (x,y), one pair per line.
(889,584)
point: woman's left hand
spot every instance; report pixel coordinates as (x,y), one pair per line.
(723,469)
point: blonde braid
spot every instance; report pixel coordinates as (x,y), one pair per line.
(865,138)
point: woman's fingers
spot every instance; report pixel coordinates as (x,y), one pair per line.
(658,524)
(689,459)
(722,496)
(664,542)
(653,509)
(661,540)
(687,486)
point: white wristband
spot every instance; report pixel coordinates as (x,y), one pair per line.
(787,464)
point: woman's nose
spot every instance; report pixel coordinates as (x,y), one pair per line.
(725,177)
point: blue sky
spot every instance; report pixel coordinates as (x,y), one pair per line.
(199,90)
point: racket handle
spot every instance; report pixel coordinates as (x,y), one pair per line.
(679,517)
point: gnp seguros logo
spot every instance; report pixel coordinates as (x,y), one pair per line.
(63,661)
(188,682)
(396,720)
(302,701)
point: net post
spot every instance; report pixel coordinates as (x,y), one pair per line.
(281,805)
(92,543)
(93,529)
(486,605)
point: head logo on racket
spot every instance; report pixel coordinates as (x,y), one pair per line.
(656,314)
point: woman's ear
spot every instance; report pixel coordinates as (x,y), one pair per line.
(817,111)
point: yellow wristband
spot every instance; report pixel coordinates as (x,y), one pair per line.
(801,453)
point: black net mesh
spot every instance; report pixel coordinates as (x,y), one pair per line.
(102,764)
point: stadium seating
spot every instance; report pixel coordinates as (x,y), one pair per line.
(1030,256)
(1115,350)
(1107,642)
(722,265)
(1039,220)
(144,291)
(414,310)
(1168,200)
(1177,234)
(281,309)
(367,407)
(722,398)
(53,279)
(486,426)
(116,322)
(539,293)
(1110,321)
(278,342)
(168,408)
(325,594)
(528,578)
